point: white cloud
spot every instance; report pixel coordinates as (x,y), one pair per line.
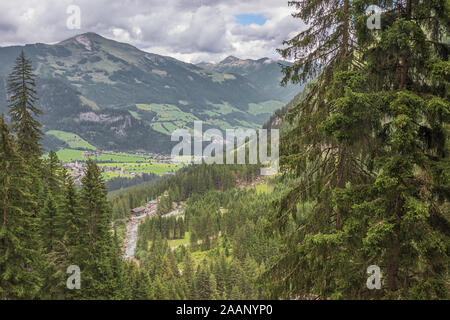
(195,30)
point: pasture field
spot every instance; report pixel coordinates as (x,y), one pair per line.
(264,188)
(180,242)
(198,256)
(264,107)
(73,140)
(120,157)
(150,167)
(169,117)
(69,155)
(176,242)
(111,174)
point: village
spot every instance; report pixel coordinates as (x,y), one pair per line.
(156,156)
(76,168)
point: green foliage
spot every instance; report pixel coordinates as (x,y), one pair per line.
(228,249)
(20,255)
(22,98)
(365,181)
(366,150)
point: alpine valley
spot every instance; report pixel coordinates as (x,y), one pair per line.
(114,96)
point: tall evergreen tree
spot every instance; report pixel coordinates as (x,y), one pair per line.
(72,219)
(51,233)
(22,108)
(22,97)
(188,273)
(324,48)
(20,258)
(54,267)
(100,267)
(205,283)
(406,203)
(326,42)
(368,146)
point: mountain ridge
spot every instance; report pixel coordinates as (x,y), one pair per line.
(142,94)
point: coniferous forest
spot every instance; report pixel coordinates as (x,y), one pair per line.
(364,180)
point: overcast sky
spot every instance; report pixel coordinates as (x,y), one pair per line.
(189,30)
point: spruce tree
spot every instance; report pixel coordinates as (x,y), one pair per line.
(72,218)
(326,41)
(22,98)
(101,268)
(20,257)
(52,176)
(188,273)
(204,289)
(325,48)
(379,122)
(406,203)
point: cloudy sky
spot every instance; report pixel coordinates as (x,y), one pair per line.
(189,30)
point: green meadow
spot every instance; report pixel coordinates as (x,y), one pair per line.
(73,140)
(169,117)
(151,167)
(70,155)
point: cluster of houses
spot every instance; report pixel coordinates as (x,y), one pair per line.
(76,170)
(149,209)
(120,171)
(88,154)
(156,156)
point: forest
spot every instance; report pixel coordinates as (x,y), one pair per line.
(364,180)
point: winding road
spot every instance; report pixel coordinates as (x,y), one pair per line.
(132,226)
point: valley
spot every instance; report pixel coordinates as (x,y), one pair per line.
(354,206)
(97,93)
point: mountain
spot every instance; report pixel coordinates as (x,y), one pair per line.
(263,73)
(117,97)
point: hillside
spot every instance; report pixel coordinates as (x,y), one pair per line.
(117,97)
(264,73)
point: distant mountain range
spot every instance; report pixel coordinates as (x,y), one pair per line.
(117,97)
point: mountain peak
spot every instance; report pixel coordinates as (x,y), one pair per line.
(90,35)
(84,39)
(230,59)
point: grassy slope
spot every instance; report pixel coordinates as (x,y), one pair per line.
(72,139)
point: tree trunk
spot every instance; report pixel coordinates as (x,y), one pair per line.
(404,55)
(4,210)
(393,264)
(393,253)
(340,183)
(5,195)
(346,35)
(342,149)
